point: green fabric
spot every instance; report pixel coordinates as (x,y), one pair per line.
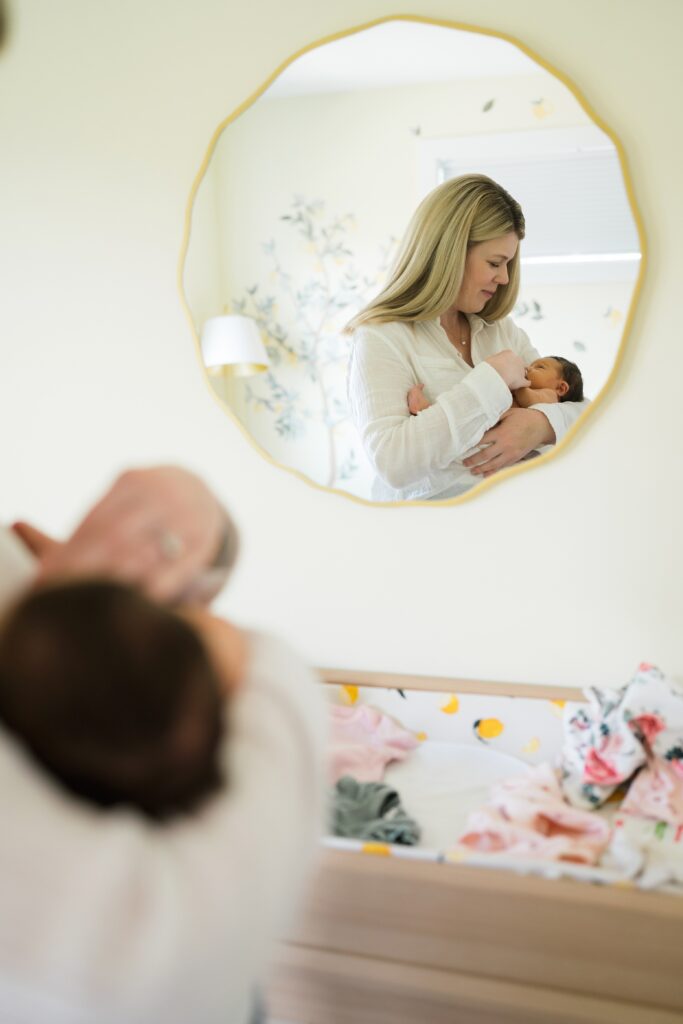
(371,810)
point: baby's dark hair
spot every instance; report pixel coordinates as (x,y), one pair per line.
(571,374)
(114,695)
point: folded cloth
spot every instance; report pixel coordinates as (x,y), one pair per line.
(651,852)
(657,792)
(606,742)
(371,810)
(528,817)
(363,741)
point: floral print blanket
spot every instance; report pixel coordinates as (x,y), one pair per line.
(636,729)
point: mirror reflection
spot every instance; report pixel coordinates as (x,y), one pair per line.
(296,227)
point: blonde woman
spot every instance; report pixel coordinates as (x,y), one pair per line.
(442,321)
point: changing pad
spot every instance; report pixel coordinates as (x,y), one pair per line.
(469,742)
(441,783)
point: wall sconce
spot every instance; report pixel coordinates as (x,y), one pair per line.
(232,347)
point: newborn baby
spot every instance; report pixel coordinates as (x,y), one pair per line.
(116,697)
(551,379)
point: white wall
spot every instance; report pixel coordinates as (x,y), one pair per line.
(567,573)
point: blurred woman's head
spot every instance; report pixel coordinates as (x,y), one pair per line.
(116,696)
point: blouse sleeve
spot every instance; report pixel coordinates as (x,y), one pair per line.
(402,448)
(172,921)
(560,415)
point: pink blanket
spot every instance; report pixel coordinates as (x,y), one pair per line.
(618,732)
(364,741)
(657,792)
(528,817)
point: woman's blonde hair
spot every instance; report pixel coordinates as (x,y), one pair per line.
(426,277)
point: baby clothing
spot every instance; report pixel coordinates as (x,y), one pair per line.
(619,731)
(371,810)
(528,817)
(657,792)
(363,741)
(651,851)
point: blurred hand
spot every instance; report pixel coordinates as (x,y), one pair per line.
(518,432)
(157,528)
(37,542)
(226,645)
(511,368)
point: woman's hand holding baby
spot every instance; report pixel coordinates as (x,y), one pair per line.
(510,367)
(518,432)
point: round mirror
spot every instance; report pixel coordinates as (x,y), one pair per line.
(299,206)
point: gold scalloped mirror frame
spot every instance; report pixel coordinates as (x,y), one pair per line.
(504,474)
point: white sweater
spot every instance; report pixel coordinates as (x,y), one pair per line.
(421,456)
(108,918)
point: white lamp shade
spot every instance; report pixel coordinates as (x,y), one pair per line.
(233,344)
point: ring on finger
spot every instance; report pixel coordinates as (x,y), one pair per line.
(171,545)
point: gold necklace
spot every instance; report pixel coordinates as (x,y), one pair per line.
(462,338)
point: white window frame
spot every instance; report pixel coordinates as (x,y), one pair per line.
(445,157)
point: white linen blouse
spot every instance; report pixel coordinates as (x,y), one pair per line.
(418,457)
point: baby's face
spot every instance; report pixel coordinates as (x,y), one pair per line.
(545,373)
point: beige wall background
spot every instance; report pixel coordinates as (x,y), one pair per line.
(569,573)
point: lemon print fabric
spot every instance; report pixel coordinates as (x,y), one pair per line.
(349,693)
(451,706)
(557,707)
(533,746)
(377,849)
(486,729)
